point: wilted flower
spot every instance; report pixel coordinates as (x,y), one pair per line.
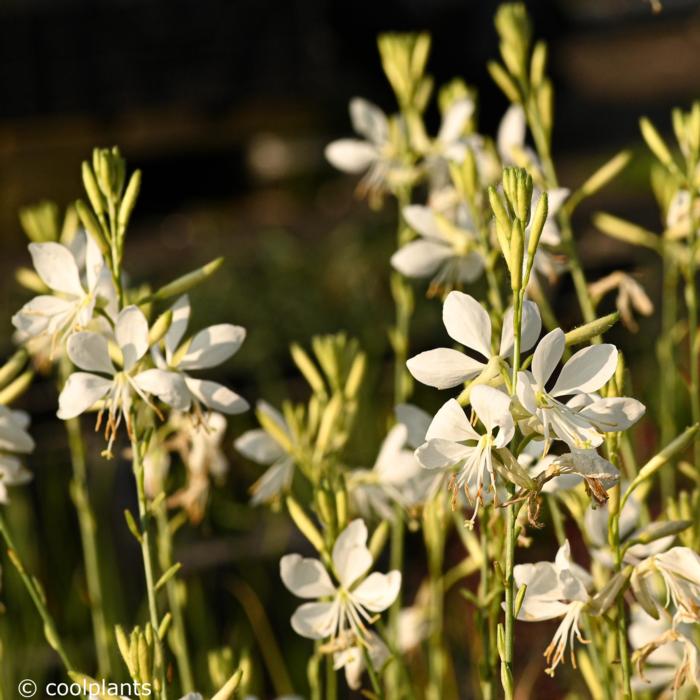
(202,455)
(261,447)
(665,656)
(555,590)
(630,297)
(445,446)
(207,348)
(352,600)
(72,304)
(467,322)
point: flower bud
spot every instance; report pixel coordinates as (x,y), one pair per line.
(160,327)
(129,201)
(516,256)
(14,390)
(92,190)
(308,369)
(304,523)
(13,367)
(508,86)
(40,222)
(588,331)
(538,63)
(656,144)
(185,283)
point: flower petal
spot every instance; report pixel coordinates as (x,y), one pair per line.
(378,591)
(416,420)
(442,454)
(422,220)
(168,386)
(316,620)
(443,368)
(181,317)
(511,132)
(467,322)
(614,414)
(351,155)
(90,352)
(351,558)
(493,408)
(455,120)
(420,258)
(217,396)
(451,423)
(276,480)
(531,327)
(212,346)
(57,268)
(368,120)
(258,446)
(547,355)
(131,333)
(80,392)
(305,577)
(587,370)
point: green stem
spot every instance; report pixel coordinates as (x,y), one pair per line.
(36,595)
(88,537)
(691,293)
(485,668)
(667,365)
(331,679)
(147,556)
(373,677)
(165,554)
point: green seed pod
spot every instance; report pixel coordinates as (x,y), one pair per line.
(588,331)
(516,256)
(304,523)
(508,86)
(538,64)
(308,369)
(185,283)
(129,201)
(160,327)
(92,190)
(656,144)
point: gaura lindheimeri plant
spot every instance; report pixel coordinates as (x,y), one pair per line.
(534,454)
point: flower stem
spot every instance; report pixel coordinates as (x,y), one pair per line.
(88,536)
(165,554)
(373,677)
(691,295)
(331,679)
(146,554)
(36,595)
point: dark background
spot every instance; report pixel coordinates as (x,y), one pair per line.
(226,107)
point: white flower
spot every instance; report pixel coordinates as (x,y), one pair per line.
(14,439)
(596,525)
(352,659)
(555,590)
(586,371)
(260,447)
(537,462)
(90,351)
(71,305)
(445,251)
(467,322)
(445,445)
(208,348)
(376,154)
(352,600)
(680,569)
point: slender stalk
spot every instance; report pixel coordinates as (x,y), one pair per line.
(147,556)
(511,517)
(373,677)
(36,595)
(88,537)
(331,679)
(691,295)
(667,365)
(165,554)
(485,667)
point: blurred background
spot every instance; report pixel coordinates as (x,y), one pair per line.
(226,107)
